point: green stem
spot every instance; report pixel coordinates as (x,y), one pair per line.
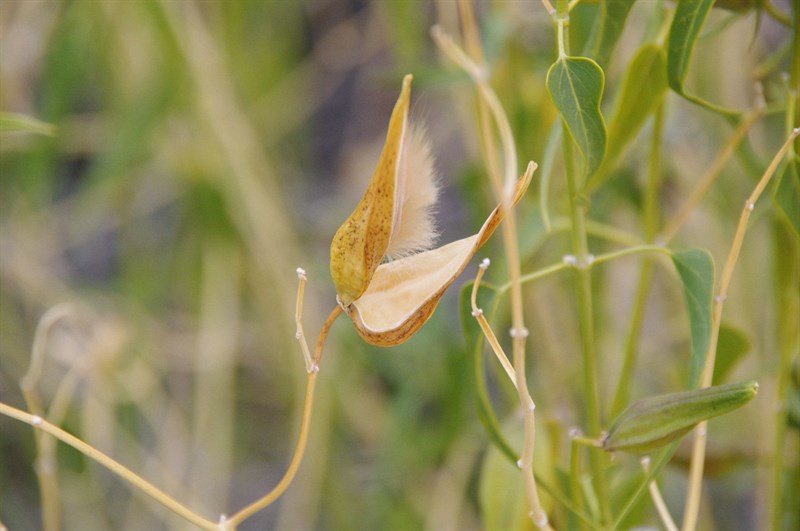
(787,331)
(692,507)
(788,261)
(657,465)
(623,393)
(580,247)
(639,249)
(651,222)
(574,477)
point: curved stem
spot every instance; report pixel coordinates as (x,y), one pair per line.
(302,438)
(639,249)
(699,444)
(479,316)
(294,465)
(518,331)
(125,473)
(711,175)
(47,470)
(658,500)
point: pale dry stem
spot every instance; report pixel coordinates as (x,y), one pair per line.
(294,465)
(298,314)
(658,500)
(46,468)
(125,473)
(477,313)
(705,182)
(519,333)
(225,523)
(308,407)
(699,443)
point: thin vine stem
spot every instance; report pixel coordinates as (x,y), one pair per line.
(580,248)
(479,316)
(294,465)
(47,470)
(302,438)
(651,223)
(125,473)
(658,500)
(705,182)
(586,320)
(599,259)
(519,332)
(43,426)
(692,507)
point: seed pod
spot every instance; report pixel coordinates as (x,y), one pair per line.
(652,422)
(361,242)
(404,293)
(388,279)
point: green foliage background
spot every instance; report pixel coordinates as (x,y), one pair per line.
(204,150)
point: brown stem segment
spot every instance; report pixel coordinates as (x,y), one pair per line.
(302,438)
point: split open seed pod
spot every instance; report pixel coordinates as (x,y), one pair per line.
(389,301)
(363,239)
(404,293)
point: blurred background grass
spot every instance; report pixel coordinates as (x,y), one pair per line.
(206,149)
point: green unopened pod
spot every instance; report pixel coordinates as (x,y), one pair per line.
(655,421)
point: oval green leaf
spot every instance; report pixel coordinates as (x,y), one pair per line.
(576,86)
(696,269)
(501,491)
(690,15)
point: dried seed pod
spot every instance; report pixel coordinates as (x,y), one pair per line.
(361,242)
(404,293)
(652,422)
(385,280)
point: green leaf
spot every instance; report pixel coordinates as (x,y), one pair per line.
(12,122)
(576,86)
(732,345)
(501,493)
(642,91)
(690,15)
(608,28)
(474,340)
(737,5)
(696,269)
(652,422)
(787,194)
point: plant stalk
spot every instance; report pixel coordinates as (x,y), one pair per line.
(302,438)
(491,105)
(580,247)
(651,222)
(103,459)
(699,444)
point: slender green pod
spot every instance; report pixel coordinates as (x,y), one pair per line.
(652,422)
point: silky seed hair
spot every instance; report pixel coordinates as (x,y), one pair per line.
(416,192)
